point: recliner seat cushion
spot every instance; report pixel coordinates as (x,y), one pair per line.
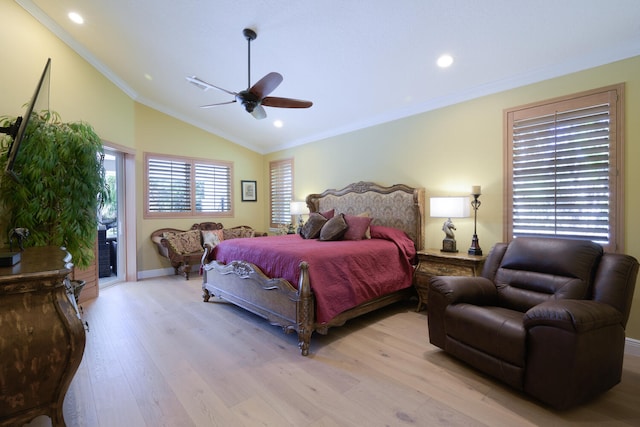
(521,290)
(496,331)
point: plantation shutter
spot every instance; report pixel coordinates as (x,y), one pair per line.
(213,188)
(562,165)
(184,187)
(281,191)
(169,186)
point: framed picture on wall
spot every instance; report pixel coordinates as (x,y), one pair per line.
(249,191)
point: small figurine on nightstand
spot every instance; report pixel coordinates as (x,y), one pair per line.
(449,242)
(20,234)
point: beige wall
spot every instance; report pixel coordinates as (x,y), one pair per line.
(450,149)
(446,150)
(78,91)
(159,133)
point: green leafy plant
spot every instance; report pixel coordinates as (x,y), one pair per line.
(60,185)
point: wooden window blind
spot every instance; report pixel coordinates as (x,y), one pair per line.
(281,191)
(178,187)
(564,167)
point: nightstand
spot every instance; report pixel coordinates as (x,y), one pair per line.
(434,262)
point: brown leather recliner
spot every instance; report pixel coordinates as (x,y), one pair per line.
(547,317)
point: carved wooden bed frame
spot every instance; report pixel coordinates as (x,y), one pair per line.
(293,309)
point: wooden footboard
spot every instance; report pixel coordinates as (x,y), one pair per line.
(276,300)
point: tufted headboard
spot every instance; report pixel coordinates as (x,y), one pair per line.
(398,206)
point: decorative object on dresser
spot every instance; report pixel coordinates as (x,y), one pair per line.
(547,317)
(20,234)
(273,276)
(449,207)
(475,203)
(43,337)
(434,262)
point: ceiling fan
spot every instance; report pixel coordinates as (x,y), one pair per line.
(254,97)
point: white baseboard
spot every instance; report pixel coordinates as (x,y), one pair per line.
(632,347)
(149,274)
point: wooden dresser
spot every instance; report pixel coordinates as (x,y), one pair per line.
(434,262)
(42,338)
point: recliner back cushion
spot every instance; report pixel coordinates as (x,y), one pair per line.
(534,270)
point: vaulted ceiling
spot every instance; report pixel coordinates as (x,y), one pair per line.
(361,62)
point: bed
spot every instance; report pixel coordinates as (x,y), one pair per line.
(308,285)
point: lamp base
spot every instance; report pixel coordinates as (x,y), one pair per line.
(449,245)
(475,246)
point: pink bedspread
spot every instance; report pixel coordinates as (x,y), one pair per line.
(343,274)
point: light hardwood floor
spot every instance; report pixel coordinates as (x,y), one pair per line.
(157,355)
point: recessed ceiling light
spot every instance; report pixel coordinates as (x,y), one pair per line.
(445,61)
(76,17)
(278,123)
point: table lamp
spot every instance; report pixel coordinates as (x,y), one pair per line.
(449,207)
(298,209)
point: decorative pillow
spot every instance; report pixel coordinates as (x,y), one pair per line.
(236,233)
(248,232)
(358,226)
(167,234)
(186,242)
(311,228)
(328,214)
(367,234)
(212,237)
(334,228)
(174,243)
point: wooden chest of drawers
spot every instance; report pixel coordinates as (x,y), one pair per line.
(434,262)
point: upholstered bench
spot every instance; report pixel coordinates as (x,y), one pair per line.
(185,248)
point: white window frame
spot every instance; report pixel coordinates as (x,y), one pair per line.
(194,173)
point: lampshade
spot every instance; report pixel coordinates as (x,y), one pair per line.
(449,207)
(298,208)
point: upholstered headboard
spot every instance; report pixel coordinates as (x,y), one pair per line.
(398,206)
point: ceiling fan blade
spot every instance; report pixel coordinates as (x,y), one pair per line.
(201,84)
(266,85)
(274,101)
(258,112)
(219,103)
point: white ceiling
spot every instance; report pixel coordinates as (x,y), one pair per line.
(361,62)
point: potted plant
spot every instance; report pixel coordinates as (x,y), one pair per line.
(60,185)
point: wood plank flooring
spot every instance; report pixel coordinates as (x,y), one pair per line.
(157,355)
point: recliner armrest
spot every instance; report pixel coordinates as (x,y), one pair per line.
(463,289)
(572,315)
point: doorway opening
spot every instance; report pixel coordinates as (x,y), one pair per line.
(110,221)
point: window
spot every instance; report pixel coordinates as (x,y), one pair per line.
(281,185)
(564,168)
(183,187)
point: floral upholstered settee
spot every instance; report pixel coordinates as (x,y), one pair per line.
(185,248)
